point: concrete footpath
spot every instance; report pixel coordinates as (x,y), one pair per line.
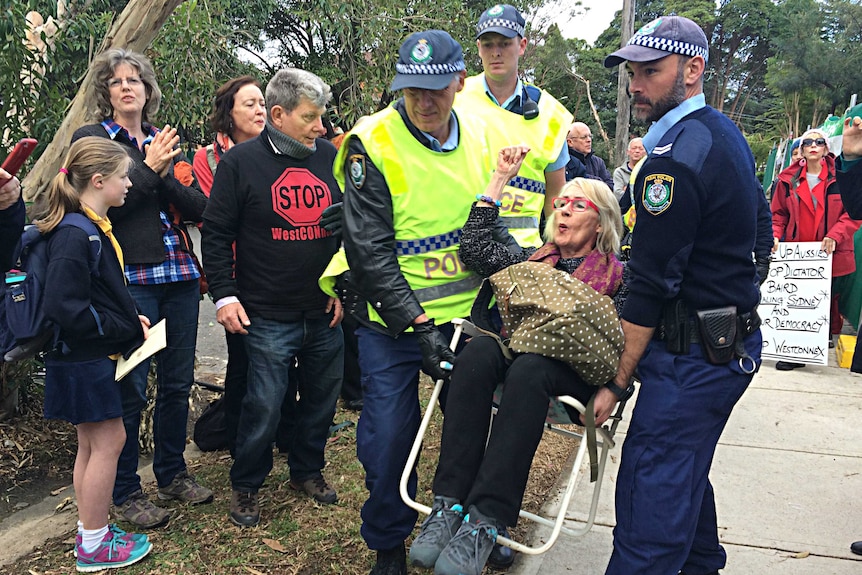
(788,483)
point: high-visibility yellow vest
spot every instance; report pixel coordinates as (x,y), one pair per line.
(432,193)
(524,198)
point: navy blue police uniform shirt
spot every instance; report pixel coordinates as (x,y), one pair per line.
(697,201)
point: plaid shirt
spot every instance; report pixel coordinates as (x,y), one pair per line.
(178,265)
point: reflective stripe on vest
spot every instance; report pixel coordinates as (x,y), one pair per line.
(432,193)
(425,245)
(524,222)
(528,185)
(545,135)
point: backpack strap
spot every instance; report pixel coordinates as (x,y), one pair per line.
(83,223)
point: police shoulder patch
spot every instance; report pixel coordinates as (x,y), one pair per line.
(657,193)
(357,170)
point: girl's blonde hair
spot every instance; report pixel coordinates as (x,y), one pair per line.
(87,157)
(608,241)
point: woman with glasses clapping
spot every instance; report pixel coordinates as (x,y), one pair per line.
(807,207)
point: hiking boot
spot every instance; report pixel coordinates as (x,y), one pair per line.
(244,509)
(390,562)
(112,552)
(501,557)
(469,549)
(316,487)
(113,528)
(140,511)
(436,531)
(185,488)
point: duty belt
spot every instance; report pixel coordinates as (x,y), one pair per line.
(750,320)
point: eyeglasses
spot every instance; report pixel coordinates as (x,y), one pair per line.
(117,82)
(578,204)
(586,137)
(810,142)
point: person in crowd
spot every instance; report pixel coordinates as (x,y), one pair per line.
(98,322)
(795,151)
(580,142)
(401,243)
(162,274)
(686,262)
(487,482)
(267,198)
(12,216)
(515,113)
(623,174)
(239,115)
(807,207)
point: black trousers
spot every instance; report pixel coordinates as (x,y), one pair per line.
(493,478)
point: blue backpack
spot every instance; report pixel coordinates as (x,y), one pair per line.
(26,331)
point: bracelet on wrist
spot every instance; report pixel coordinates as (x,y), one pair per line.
(488,199)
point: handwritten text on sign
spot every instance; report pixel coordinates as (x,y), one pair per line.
(794,304)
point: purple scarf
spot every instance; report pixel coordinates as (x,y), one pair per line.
(602,272)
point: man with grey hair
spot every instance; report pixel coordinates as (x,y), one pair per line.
(623,174)
(267,198)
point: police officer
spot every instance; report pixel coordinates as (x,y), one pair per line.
(686,263)
(410,174)
(517,113)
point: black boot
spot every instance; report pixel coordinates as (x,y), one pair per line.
(391,562)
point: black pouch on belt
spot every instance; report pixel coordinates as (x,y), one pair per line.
(717,328)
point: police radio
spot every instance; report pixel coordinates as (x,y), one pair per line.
(530,107)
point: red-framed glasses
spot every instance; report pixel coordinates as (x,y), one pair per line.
(577,204)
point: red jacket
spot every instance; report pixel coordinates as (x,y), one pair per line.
(836,223)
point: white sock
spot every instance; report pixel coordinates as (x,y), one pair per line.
(80,527)
(90,538)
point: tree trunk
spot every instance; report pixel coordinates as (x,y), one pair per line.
(623,104)
(134,29)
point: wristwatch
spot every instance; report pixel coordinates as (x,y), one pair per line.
(622,394)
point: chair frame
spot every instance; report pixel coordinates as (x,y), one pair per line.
(604,442)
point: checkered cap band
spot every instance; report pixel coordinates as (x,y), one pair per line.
(430,69)
(500,23)
(429,244)
(528,185)
(666,45)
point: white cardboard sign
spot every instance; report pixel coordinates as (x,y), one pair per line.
(794,304)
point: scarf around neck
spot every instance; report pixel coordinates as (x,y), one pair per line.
(287,145)
(602,272)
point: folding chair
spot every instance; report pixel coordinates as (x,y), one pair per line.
(604,441)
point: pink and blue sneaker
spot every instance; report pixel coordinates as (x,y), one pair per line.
(114,551)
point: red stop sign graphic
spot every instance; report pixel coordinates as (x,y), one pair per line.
(299,197)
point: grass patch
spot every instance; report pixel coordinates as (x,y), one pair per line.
(313,539)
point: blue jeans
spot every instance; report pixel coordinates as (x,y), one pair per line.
(272,346)
(178,302)
(386,430)
(665,507)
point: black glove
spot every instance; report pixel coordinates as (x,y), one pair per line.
(330,219)
(435,349)
(762,265)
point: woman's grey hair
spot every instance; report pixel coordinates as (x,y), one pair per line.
(290,85)
(610,219)
(103,71)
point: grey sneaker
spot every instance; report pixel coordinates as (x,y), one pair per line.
(469,549)
(436,531)
(316,487)
(140,511)
(185,488)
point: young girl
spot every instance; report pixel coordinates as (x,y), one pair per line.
(98,322)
